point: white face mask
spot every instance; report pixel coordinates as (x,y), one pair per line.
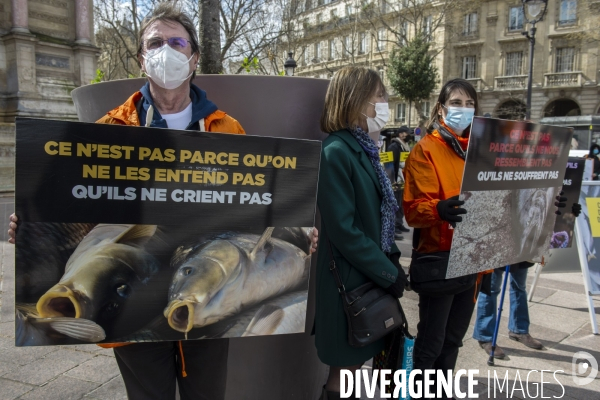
(382,115)
(167,67)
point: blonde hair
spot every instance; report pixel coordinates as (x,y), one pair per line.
(349,91)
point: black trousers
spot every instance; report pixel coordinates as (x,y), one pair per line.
(400,213)
(443,323)
(149,370)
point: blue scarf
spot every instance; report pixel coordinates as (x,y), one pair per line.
(389,206)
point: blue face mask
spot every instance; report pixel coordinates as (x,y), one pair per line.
(595,151)
(458,118)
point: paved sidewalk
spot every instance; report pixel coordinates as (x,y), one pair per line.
(558,314)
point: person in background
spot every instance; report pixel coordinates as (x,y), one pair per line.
(518,320)
(595,154)
(168,54)
(357,215)
(397,146)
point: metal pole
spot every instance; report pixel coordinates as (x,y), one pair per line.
(502,292)
(531,36)
(538,270)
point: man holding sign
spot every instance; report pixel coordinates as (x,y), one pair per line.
(168,54)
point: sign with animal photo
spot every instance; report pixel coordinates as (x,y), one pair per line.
(513,172)
(564,229)
(132,234)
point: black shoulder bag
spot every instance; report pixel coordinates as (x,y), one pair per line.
(371,311)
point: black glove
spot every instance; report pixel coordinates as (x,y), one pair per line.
(450,211)
(561,202)
(396,289)
(576,209)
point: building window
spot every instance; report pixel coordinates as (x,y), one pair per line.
(305,55)
(381,73)
(362,43)
(347,46)
(565,59)
(469,67)
(332,49)
(319,18)
(404,32)
(318,52)
(401,112)
(470,25)
(308,5)
(568,12)
(427,27)
(426,108)
(333,13)
(381,39)
(349,9)
(515,18)
(383,6)
(514,63)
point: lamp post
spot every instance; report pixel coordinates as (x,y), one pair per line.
(533,12)
(290,65)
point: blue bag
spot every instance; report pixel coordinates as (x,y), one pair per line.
(407,360)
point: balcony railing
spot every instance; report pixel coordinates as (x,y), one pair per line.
(560,79)
(510,82)
(477,83)
(472,34)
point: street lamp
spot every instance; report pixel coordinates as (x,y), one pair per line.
(290,65)
(533,12)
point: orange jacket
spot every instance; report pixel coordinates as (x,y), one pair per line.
(433,172)
(126,114)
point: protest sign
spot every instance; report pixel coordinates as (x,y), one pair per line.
(139,234)
(563,234)
(513,171)
(590,234)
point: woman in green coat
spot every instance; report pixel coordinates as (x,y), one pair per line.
(357,208)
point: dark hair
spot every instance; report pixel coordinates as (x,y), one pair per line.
(459,84)
(348,93)
(592,147)
(169,12)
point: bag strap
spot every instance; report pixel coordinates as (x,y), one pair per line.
(334,271)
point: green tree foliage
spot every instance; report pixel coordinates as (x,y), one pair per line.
(99,76)
(412,71)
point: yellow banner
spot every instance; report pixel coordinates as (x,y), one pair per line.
(404,155)
(386,157)
(593,205)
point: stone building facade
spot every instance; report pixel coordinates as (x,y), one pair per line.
(480,40)
(46,50)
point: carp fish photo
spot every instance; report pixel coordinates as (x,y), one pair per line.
(220,278)
(136,283)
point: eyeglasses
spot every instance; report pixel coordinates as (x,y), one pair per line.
(177,43)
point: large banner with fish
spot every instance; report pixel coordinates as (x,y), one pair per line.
(513,172)
(139,234)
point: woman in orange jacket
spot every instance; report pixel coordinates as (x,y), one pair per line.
(433,173)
